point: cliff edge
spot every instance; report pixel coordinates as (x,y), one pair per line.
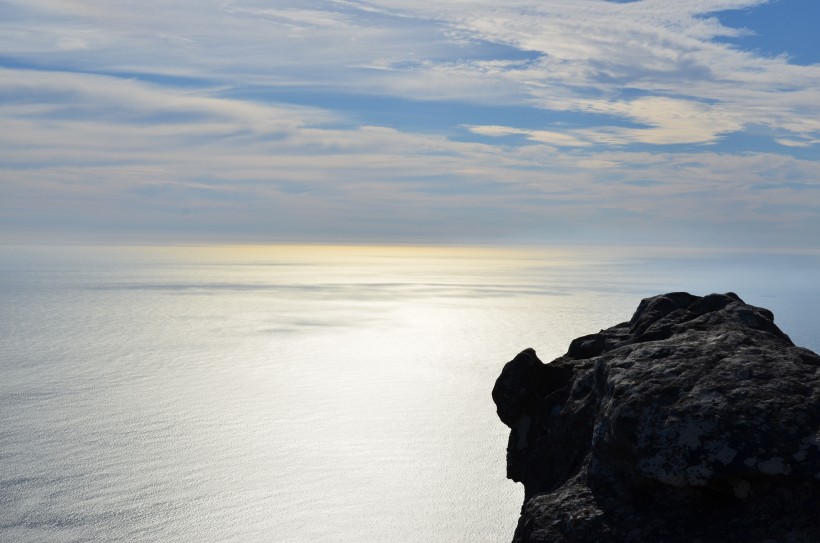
(696,421)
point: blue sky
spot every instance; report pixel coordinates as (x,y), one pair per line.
(566,121)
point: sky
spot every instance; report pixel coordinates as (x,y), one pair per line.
(665,122)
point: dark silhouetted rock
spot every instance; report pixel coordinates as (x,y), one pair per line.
(698,420)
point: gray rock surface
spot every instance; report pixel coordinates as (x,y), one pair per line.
(696,421)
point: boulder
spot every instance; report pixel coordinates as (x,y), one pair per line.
(696,421)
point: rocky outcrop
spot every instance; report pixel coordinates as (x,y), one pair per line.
(696,421)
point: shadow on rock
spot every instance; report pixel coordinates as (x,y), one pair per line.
(697,420)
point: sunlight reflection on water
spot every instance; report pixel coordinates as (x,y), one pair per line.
(301,393)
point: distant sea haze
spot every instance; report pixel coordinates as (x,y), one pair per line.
(292,394)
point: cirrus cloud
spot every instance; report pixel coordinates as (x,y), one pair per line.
(524,119)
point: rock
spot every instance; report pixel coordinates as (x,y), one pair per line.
(697,420)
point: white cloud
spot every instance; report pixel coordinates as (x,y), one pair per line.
(589,53)
(543,136)
(666,120)
(592,51)
(797,143)
(234,159)
(82,128)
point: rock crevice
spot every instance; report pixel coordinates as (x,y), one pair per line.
(698,419)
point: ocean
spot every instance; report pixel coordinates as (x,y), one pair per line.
(304,393)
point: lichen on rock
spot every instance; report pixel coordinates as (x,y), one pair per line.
(698,419)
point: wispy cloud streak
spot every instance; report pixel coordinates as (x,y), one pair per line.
(250,119)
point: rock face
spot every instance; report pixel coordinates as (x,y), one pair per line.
(698,420)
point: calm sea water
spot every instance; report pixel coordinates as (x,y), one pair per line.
(302,394)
